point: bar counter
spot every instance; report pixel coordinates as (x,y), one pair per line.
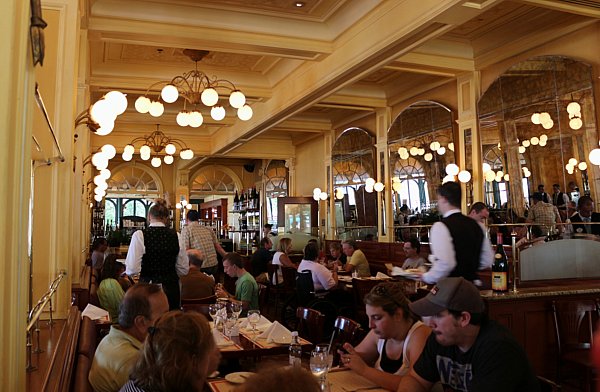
(528,314)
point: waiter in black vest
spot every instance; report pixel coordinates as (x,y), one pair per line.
(457,243)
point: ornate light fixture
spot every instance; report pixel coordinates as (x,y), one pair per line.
(154,145)
(196,88)
(100,117)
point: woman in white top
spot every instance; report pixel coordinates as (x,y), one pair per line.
(281,258)
(395,341)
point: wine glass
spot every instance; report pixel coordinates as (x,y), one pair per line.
(253,319)
(236,308)
(229,324)
(319,363)
(324,348)
(213,310)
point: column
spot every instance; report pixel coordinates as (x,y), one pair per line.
(468,142)
(385,217)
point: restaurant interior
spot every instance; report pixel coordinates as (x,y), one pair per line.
(331,116)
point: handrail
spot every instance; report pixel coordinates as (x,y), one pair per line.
(40,102)
(34,315)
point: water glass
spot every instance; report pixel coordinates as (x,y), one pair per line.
(324,348)
(319,363)
(253,319)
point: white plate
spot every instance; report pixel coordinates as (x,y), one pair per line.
(286,339)
(238,378)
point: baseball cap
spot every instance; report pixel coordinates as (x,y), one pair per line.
(449,293)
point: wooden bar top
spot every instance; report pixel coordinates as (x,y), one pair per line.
(549,288)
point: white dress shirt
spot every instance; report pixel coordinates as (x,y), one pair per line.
(137,249)
(443,255)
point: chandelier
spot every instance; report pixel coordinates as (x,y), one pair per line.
(196,88)
(154,145)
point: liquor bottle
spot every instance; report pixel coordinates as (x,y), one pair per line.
(242,201)
(236,201)
(500,268)
(295,351)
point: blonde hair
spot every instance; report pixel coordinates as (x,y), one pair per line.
(284,243)
(173,348)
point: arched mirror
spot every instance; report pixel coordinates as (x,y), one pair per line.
(538,124)
(353,161)
(420,145)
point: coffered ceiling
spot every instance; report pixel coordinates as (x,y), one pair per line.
(305,70)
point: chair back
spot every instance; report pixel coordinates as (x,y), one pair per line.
(211,299)
(263,297)
(547,385)
(305,288)
(573,324)
(345,330)
(360,288)
(289,278)
(272,272)
(310,324)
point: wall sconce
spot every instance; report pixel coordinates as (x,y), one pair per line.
(594,156)
(574,110)
(100,161)
(544,119)
(100,117)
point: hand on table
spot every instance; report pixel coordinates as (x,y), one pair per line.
(351,359)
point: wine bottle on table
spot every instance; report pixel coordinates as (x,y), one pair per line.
(500,268)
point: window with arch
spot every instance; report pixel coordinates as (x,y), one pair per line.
(213,180)
(276,185)
(413,189)
(134,180)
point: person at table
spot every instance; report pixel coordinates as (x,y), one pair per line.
(282,259)
(261,259)
(336,255)
(480,212)
(110,292)
(458,243)
(466,351)
(196,284)
(156,255)
(204,239)
(412,247)
(395,340)
(585,208)
(246,288)
(544,214)
(357,260)
(323,279)
(179,354)
(99,247)
(118,351)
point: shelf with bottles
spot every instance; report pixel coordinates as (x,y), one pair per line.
(98,221)
(249,200)
(214,214)
(130,224)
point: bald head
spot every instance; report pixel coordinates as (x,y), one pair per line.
(196,257)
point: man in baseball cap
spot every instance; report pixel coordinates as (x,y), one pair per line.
(466,351)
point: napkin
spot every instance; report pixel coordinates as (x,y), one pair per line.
(262,324)
(95,313)
(381,275)
(276,333)
(220,340)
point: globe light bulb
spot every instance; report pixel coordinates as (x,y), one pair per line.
(594,156)
(317,191)
(545,117)
(109,151)
(169,93)
(535,118)
(106,127)
(145,150)
(168,159)
(368,189)
(217,113)
(442,150)
(98,198)
(575,123)
(183,119)
(573,108)
(101,111)
(402,151)
(142,104)
(448,178)
(452,169)
(572,161)
(170,149)
(490,176)
(196,119)
(129,149)
(450,146)
(582,166)
(105,173)
(414,151)
(464,176)
(428,157)
(506,177)
(209,96)
(486,167)
(323,196)
(156,109)
(237,99)
(534,141)
(526,143)
(245,113)
(155,162)
(548,124)
(117,101)
(522,150)
(370,182)
(127,157)
(396,186)
(378,186)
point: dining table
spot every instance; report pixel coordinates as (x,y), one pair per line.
(338,380)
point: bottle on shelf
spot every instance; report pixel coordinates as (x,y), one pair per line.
(242,202)
(500,268)
(295,351)
(236,202)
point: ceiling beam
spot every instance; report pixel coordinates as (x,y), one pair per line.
(563,6)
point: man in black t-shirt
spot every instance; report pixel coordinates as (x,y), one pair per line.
(465,352)
(261,259)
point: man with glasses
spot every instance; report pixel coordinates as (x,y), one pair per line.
(466,351)
(116,354)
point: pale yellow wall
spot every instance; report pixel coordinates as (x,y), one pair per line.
(310,167)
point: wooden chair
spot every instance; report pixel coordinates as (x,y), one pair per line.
(310,324)
(573,324)
(263,298)
(345,330)
(548,386)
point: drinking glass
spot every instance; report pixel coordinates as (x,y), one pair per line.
(324,348)
(230,322)
(213,310)
(253,319)
(236,309)
(319,363)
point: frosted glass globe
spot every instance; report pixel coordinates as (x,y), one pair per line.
(109,151)
(101,111)
(156,109)
(464,176)
(170,149)
(378,186)
(209,96)
(169,93)
(142,104)
(117,101)
(370,182)
(168,159)
(237,99)
(196,119)
(183,119)
(594,156)
(452,169)
(155,162)
(573,108)
(245,113)
(217,113)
